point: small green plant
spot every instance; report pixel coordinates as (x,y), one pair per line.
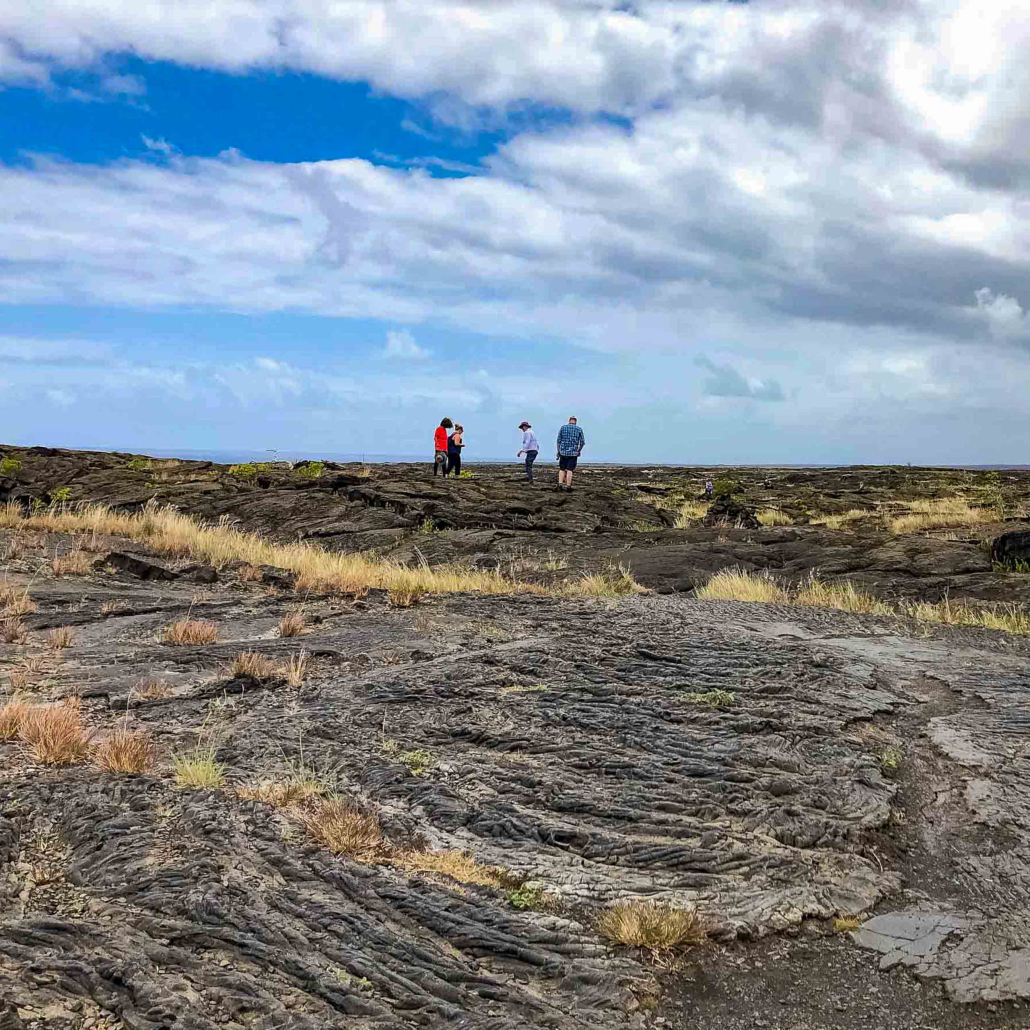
(312,470)
(466,474)
(427,526)
(890,761)
(61,495)
(712,699)
(10,467)
(246,471)
(1019,565)
(845,924)
(727,486)
(140,465)
(419,761)
(526,897)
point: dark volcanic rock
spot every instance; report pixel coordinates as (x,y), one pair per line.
(135,566)
(1012,549)
(726,511)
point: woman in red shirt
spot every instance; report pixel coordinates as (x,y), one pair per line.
(440,448)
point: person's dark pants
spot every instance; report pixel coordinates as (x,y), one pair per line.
(530,458)
(453,463)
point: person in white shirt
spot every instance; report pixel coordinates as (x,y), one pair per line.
(530,448)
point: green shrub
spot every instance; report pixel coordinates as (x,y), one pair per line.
(61,494)
(525,897)
(726,486)
(140,465)
(10,467)
(246,471)
(312,470)
(712,699)
(890,761)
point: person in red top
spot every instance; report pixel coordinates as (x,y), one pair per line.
(440,447)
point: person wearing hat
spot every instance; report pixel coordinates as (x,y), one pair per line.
(571,441)
(530,448)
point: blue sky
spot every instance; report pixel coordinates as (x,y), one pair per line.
(321,228)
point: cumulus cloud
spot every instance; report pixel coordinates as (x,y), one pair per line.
(401,344)
(1004,315)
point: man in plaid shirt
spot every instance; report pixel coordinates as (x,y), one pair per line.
(571,442)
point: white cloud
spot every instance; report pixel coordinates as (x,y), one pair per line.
(61,397)
(161,146)
(401,344)
(1005,317)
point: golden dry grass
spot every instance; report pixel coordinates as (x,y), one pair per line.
(125,751)
(741,585)
(12,715)
(155,690)
(54,734)
(690,513)
(652,926)
(190,631)
(845,924)
(74,563)
(249,574)
(458,865)
(292,625)
(294,669)
(404,595)
(944,512)
(614,581)
(198,768)
(60,637)
(250,663)
(843,519)
(280,794)
(16,602)
(1008,619)
(844,596)
(19,680)
(344,830)
(12,631)
(774,517)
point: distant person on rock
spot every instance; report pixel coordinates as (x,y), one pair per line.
(571,442)
(440,448)
(455,443)
(530,448)
(709,489)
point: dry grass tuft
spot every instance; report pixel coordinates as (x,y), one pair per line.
(170,532)
(650,925)
(537,688)
(54,734)
(280,795)
(12,631)
(198,768)
(404,595)
(690,513)
(19,680)
(943,512)
(614,581)
(774,517)
(250,663)
(294,669)
(458,865)
(345,831)
(155,690)
(190,631)
(74,563)
(1008,619)
(12,715)
(843,519)
(16,602)
(843,596)
(249,574)
(125,751)
(292,625)
(60,637)
(845,924)
(741,585)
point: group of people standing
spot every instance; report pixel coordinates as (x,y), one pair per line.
(571,441)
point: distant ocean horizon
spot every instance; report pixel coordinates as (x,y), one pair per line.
(239,457)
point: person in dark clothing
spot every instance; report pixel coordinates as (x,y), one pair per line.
(440,446)
(455,443)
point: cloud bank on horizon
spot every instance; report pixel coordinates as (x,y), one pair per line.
(718,231)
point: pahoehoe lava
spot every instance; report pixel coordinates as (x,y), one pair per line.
(565,741)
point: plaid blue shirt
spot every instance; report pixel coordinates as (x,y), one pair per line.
(570,440)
